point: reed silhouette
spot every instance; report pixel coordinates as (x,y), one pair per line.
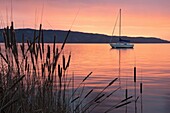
(33,80)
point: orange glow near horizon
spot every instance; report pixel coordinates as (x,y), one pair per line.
(140,19)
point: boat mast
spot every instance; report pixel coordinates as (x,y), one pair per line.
(120,24)
(119,50)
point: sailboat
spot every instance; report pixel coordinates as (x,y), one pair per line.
(121,43)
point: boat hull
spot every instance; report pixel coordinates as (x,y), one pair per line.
(121,45)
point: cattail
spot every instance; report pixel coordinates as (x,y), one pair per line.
(105,89)
(28,44)
(123,104)
(87,76)
(68,62)
(39,38)
(54,44)
(141,88)
(99,97)
(48,52)
(141,97)
(134,74)
(88,93)
(135,89)
(32,59)
(7,38)
(59,74)
(36,54)
(26,63)
(57,55)
(12,25)
(42,70)
(127,99)
(39,34)
(112,82)
(75,99)
(42,41)
(64,66)
(11,34)
(40,53)
(55,60)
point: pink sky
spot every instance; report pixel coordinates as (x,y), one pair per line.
(139,17)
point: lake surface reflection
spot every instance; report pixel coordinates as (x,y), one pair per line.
(152,62)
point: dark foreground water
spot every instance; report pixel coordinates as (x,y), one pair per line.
(153,70)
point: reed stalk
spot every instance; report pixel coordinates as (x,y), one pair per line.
(135,89)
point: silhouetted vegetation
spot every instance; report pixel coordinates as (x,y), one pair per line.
(33,81)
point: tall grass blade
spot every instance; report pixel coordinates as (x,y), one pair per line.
(8,104)
(3,58)
(62,47)
(20,79)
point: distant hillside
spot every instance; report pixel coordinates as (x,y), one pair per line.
(80,37)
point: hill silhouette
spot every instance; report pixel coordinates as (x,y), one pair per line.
(80,37)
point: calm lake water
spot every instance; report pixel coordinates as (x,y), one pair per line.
(153,70)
